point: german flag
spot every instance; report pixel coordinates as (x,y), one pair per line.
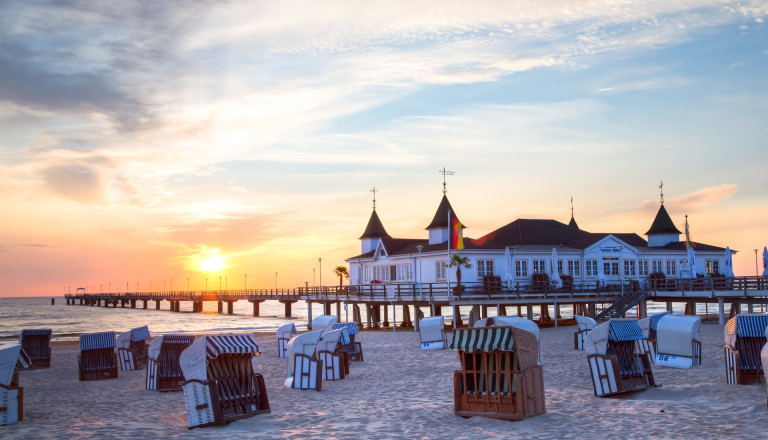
(457,237)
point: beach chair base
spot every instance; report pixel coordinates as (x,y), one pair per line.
(578,339)
(307,373)
(438,345)
(355,351)
(98,373)
(738,371)
(163,384)
(333,365)
(282,347)
(607,380)
(674,361)
(206,408)
(36,343)
(644,346)
(11,404)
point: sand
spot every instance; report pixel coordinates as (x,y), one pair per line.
(401,391)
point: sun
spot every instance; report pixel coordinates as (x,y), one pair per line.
(213,263)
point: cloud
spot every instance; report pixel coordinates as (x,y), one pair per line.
(77,182)
(694,201)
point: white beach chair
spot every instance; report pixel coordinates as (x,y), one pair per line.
(12,357)
(220,384)
(322,322)
(677,341)
(648,325)
(328,350)
(284,334)
(132,348)
(304,368)
(163,369)
(744,339)
(614,362)
(432,332)
(585,324)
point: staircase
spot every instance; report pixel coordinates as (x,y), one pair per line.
(621,305)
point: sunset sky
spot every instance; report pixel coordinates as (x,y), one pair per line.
(147,142)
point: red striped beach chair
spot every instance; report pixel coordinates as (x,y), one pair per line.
(284,334)
(132,348)
(677,341)
(305,370)
(37,344)
(221,385)
(744,339)
(163,369)
(12,358)
(97,359)
(353,348)
(500,376)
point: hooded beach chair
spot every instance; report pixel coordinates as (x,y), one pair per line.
(744,338)
(322,322)
(163,368)
(329,351)
(353,348)
(615,364)
(432,333)
(764,360)
(12,358)
(284,334)
(36,343)
(97,359)
(500,376)
(220,384)
(585,324)
(304,368)
(648,325)
(677,341)
(513,321)
(132,348)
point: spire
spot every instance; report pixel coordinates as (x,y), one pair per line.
(661,191)
(375,228)
(441,216)
(662,224)
(572,223)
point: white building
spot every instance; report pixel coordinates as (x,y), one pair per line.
(623,256)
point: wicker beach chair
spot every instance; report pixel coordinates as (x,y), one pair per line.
(304,368)
(284,334)
(744,338)
(677,341)
(12,358)
(432,332)
(764,361)
(97,359)
(322,322)
(220,384)
(329,351)
(132,348)
(614,362)
(585,324)
(353,348)
(163,369)
(37,344)
(516,322)
(499,376)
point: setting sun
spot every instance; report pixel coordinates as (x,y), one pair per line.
(213,263)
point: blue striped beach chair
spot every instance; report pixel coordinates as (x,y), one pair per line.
(615,363)
(744,339)
(220,383)
(163,369)
(500,376)
(12,358)
(764,361)
(305,370)
(677,341)
(97,359)
(353,348)
(37,344)
(132,348)
(284,334)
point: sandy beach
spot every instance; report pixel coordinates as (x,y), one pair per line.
(401,391)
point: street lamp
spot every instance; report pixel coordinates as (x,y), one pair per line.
(756,272)
(320,261)
(275,282)
(245,282)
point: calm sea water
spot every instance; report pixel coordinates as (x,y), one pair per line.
(69,321)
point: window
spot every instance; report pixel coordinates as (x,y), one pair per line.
(574,268)
(560,266)
(629,268)
(657,266)
(380,273)
(610,266)
(671,267)
(539,266)
(521,269)
(404,272)
(367,274)
(440,270)
(484,268)
(712,266)
(642,268)
(591,268)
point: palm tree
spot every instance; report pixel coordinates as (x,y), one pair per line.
(341,272)
(458,262)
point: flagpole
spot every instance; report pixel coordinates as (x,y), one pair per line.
(448,262)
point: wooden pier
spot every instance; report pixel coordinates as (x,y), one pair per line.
(377,299)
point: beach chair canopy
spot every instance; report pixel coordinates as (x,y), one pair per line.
(745,325)
(135,334)
(96,341)
(517,322)
(194,359)
(350,326)
(482,322)
(305,344)
(10,356)
(330,339)
(285,331)
(585,322)
(323,321)
(596,340)
(431,328)
(624,329)
(153,351)
(485,339)
(675,334)
(35,332)
(655,318)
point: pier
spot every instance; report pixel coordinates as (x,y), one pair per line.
(601,302)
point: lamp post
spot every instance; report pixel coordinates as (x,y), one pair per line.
(245,282)
(421,293)
(275,282)
(756,272)
(206,284)
(188,291)
(320,261)
(219,284)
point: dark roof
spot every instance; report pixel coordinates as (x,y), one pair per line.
(374,229)
(401,246)
(680,246)
(663,224)
(531,231)
(572,223)
(441,216)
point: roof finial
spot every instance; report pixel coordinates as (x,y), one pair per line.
(661,190)
(374,191)
(445,173)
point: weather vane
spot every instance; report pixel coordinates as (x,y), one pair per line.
(571,206)
(374,191)
(661,190)
(445,173)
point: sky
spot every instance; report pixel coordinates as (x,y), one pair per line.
(159,145)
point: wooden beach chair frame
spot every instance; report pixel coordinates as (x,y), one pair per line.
(164,371)
(500,383)
(284,334)
(12,358)
(37,344)
(585,325)
(100,362)
(305,370)
(744,339)
(335,361)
